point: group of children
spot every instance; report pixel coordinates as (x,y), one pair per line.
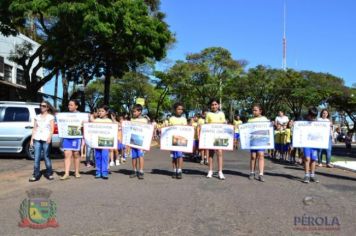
(283,134)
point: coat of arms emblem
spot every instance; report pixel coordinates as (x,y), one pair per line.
(38,211)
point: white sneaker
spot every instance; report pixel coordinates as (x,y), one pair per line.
(221,175)
(210,174)
(117,162)
(202,162)
(112,163)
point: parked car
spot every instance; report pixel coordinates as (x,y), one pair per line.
(16,124)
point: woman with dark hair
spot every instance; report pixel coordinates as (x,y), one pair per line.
(324,116)
(71,147)
(41,140)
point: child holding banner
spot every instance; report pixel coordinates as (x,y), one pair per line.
(259,153)
(237,122)
(102,155)
(137,154)
(203,153)
(310,154)
(218,117)
(71,147)
(177,157)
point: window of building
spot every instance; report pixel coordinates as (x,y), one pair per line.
(20,78)
(1,68)
(16,114)
(7,72)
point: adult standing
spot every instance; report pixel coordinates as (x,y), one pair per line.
(281,119)
(71,147)
(324,116)
(41,140)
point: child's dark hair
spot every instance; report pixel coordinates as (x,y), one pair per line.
(213,100)
(177,104)
(312,112)
(105,107)
(75,101)
(137,107)
(258,106)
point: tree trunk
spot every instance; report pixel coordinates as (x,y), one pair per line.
(107,87)
(56,90)
(65,97)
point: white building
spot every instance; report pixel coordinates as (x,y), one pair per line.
(11,74)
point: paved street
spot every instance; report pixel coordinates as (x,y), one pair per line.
(195,205)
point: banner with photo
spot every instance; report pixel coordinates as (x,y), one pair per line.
(216,137)
(178,138)
(311,134)
(257,135)
(137,135)
(101,135)
(70,124)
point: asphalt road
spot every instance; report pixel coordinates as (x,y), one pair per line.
(195,205)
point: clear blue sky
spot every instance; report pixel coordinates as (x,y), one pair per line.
(321,34)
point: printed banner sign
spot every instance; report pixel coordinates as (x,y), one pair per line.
(216,137)
(311,134)
(257,135)
(178,138)
(101,135)
(137,135)
(70,124)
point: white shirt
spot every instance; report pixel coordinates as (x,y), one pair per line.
(283,120)
(43,124)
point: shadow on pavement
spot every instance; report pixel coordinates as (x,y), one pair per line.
(326,174)
(233,172)
(185,171)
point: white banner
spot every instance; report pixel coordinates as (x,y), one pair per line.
(70,124)
(257,135)
(178,138)
(101,135)
(216,137)
(311,134)
(137,135)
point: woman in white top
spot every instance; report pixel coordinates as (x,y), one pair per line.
(41,140)
(324,116)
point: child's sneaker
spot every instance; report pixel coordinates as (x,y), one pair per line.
(112,163)
(105,177)
(221,175)
(179,175)
(117,162)
(174,175)
(260,178)
(134,174)
(141,175)
(202,162)
(210,174)
(251,176)
(306,179)
(97,176)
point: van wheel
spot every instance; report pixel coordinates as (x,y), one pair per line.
(29,151)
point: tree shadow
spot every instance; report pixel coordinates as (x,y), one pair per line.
(123,171)
(326,174)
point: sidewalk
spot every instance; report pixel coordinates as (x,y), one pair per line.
(345,165)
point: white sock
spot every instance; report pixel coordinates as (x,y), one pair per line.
(179,170)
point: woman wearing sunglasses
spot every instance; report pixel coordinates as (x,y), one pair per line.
(41,140)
